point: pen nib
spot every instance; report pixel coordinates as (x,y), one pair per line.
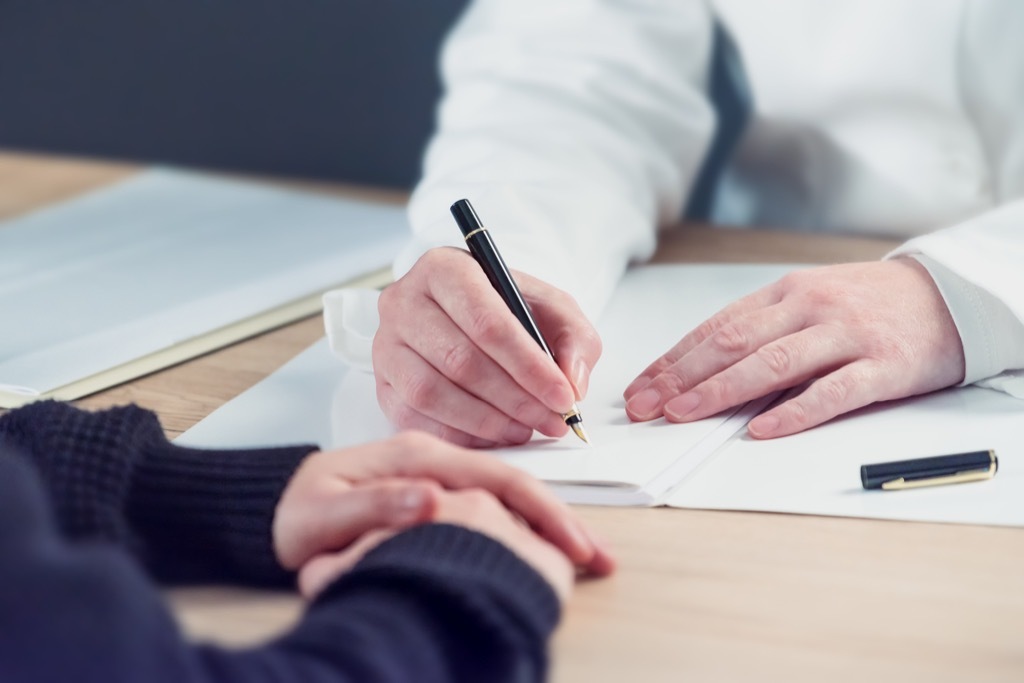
(577,427)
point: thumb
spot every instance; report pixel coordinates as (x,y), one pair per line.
(330,524)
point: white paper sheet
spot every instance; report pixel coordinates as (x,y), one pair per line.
(163,257)
(316,399)
(652,309)
(818,471)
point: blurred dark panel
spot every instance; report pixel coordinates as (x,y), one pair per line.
(342,90)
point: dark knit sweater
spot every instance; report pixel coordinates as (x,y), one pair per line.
(90,503)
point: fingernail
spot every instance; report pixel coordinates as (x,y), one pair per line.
(681,406)
(580,376)
(517,433)
(635,386)
(644,404)
(764,425)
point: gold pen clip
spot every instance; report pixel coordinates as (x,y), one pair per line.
(958,478)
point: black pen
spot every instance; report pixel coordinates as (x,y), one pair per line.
(937,470)
(481,246)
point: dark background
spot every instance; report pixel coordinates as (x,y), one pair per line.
(329,89)
(339,89)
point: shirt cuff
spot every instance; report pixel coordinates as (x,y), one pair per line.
(992,336)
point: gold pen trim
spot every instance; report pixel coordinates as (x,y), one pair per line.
(958,478)
(470,234)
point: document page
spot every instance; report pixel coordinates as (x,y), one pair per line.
(626,463)
(818,471)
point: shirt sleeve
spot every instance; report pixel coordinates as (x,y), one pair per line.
(977,267)
(575,128)
(977,264)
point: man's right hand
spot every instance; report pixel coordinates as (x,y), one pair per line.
(451,359)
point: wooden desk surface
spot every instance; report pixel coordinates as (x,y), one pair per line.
(700,595)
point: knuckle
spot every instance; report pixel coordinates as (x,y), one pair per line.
(835,391)
(419,393)
(797,280)
(777,358)
(730,338)
(382,351)
(389,299)
(405,418)
(715,392)
(458,362)
(670,382)
(797,415)
(707,329)
(825,294)
(384,392)
(486,327)
(433,258)
(893,349)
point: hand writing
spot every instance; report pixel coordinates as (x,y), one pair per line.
(452,360)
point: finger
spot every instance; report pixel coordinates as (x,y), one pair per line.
(732,342)
(572,338)
(406,417)
(778,365)
(850,387)
(449,351)
(478,310)
(762,298)
(324,569)
(418,456)
(479,510)
(334,523)
(602,562)
(427,391)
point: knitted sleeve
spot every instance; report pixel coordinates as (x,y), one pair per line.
(436,603)
(186,514)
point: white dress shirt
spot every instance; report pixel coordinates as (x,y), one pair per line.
(576,128)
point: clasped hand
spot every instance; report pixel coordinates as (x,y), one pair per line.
(339,504)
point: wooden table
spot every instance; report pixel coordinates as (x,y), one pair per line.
(700,595)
